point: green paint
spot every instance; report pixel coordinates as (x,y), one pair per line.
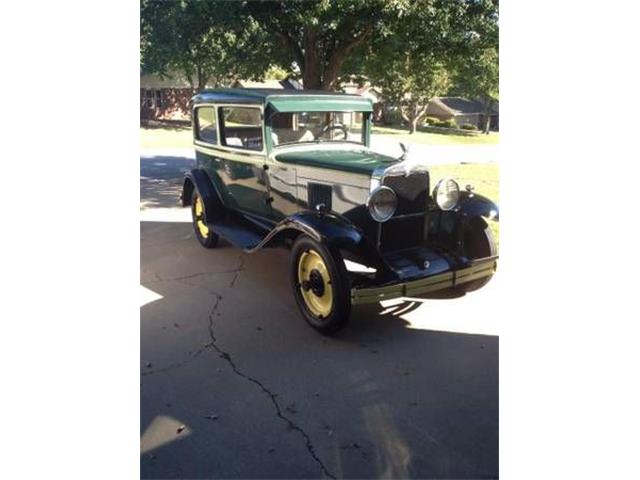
(320,103)
(354,161)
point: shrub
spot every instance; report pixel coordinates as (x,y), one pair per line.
(393,117)
(468,126)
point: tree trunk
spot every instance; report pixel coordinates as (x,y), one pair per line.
(487,121)
(312,68)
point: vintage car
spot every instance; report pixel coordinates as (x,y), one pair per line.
(295,168)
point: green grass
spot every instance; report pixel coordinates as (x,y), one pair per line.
(485,177)
(430,138)
(178,135)
(165,136)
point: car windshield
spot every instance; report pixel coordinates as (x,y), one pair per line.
(309,127)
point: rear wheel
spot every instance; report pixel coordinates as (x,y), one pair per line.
(206,236)
(320,285)
(478,243)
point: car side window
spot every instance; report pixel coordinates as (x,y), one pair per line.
(206,125)
(241,127)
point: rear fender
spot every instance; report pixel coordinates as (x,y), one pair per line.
(199,180)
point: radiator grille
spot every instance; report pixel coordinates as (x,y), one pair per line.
(412,192)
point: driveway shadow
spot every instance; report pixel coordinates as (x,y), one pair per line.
(382,398)
(161,180)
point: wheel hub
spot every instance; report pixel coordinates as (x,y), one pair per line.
(314,280)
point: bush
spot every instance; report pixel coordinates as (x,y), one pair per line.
(393,117)
(434,122)
(468,126)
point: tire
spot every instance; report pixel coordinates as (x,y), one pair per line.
(320,285)
(478,243)
(207,237)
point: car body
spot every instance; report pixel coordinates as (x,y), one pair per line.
(295,168)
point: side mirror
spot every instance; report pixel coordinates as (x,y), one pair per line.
(405,151)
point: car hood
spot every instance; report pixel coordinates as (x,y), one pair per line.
(355,161)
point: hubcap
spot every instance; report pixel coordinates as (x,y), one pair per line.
(315,284)
(199,217)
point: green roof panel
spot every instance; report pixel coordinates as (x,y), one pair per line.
(319,103)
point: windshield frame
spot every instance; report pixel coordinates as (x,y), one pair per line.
(364,142)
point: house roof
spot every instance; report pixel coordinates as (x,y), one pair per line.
(263,84)
(283,100)
(459,105)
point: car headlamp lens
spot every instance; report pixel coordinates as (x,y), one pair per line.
(382,204)
(446,194)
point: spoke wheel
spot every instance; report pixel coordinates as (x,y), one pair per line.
(320,285)
(204,234)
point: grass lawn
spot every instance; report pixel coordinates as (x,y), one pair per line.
(165,135)
(430,138)
(178,135)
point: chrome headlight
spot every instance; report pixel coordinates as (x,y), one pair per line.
(446,194)
(382,204)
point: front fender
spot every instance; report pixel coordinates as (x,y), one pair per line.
(475,205)
(327,228)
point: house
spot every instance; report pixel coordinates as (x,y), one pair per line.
(165,98)
(286,84)
(462,111)
(368,91)
(168,97)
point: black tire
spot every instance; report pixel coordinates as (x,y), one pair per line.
(478,243)
(210,240)
(340,309)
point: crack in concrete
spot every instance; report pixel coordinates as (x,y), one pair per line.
(175,365)
(227,357)
(272,396)
(238,269)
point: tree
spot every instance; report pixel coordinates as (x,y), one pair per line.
(478,77)
(207,42)
(320,36)
(412,62)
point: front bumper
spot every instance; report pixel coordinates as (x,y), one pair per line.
(480,268)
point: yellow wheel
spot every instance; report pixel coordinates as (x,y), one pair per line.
(320,285)
(315,283)
(204,234)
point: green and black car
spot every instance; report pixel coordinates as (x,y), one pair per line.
(294,168)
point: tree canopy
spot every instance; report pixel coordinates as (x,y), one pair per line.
(412,49)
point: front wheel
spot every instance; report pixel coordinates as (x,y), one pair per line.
(320,285)
(207,237)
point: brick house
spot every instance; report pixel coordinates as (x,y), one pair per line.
(164,98)
(462,110)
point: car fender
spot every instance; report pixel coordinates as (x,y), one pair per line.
(475,205)
(334,230)
(198,179)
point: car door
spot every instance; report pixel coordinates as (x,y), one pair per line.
(235,158)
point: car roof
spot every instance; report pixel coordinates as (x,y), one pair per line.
(286,100)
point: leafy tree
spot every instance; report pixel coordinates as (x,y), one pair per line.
(414,59)
(319,36)
(477,77)
(207,42)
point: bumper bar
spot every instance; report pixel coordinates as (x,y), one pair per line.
(481,268)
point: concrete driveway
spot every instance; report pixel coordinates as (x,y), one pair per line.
(234,384)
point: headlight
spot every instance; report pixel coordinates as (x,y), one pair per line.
(446,194)
(382,204)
